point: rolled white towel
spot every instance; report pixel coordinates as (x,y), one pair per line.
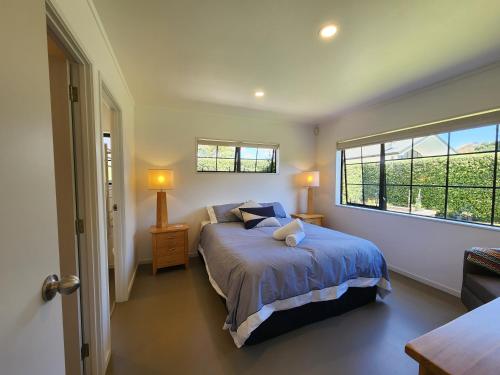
(293,240)
(292,227)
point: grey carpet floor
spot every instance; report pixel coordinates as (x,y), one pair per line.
(172,324)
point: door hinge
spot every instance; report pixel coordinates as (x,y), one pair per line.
(79,226)
(73,93)
(85,351)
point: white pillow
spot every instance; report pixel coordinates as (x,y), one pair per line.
(248,204)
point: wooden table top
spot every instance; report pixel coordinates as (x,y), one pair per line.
(468,345)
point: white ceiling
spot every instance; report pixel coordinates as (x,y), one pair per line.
(220,51)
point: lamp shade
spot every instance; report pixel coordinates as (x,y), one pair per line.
(160,179)
(310,179)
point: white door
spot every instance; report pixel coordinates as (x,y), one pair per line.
(31,331)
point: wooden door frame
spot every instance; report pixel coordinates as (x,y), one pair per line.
(95,315)
(105,95)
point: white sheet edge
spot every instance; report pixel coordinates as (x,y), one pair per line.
(212,281)
(256,319)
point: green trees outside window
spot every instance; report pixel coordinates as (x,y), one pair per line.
(223,158)
(453,175)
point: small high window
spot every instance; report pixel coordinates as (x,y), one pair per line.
(236,157)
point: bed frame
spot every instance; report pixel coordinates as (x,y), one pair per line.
(286,320)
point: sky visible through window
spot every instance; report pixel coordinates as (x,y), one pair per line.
(480,135)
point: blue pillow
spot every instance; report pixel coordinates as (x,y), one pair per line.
(222,213)
(278,209)
(256,217)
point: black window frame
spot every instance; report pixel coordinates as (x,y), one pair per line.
(382,206)
(238,159)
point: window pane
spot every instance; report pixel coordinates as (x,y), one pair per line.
(207,151)
(353,155)
(371,153)
(430,171)
(398,149)
(226,152)
(472,169)
(428,201)
(371,173)
(354,194)
(473,140)
(470,204)
(497,207)
(343,199)
(265,153)
(249,153)
(431,145)
(498,169)
(247,165)
(398,172)
(371,195)
(206,164)
(354,174)
(225,165)
(398,198)
(264,166)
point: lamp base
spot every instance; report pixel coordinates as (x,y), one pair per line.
(310,204)
(161,209)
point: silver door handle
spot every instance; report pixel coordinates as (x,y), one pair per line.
(52,285)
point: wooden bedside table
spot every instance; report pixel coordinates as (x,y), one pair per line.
(170,246)
(316,219)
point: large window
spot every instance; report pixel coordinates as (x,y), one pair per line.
(236,157)
(453,175)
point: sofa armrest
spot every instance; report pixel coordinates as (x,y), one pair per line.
(474,268)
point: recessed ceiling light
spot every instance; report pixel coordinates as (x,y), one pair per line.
(259,94)
(328,31)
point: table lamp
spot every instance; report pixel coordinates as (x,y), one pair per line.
(161,179)
(310,180)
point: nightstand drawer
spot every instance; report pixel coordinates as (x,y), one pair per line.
(169,251)
(170,259)
(170,240)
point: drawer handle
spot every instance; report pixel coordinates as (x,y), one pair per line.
(171,249)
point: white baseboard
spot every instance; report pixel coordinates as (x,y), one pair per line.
(425,281)
(131,283)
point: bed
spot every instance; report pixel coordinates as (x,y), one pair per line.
(270,288)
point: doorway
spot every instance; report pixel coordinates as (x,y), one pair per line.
(107,116)
(81,219)
(63,78)
(113,187)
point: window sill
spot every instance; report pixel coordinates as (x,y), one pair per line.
(417,217)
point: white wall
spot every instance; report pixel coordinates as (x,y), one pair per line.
(81,18)
(167,138)
(428,250)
